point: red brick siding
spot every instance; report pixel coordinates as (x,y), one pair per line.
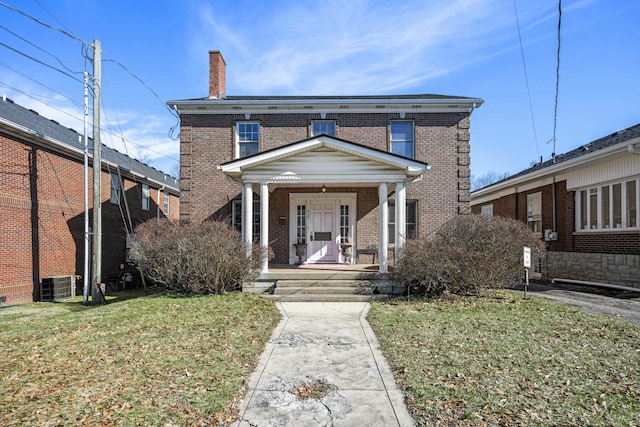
(42,218)
(568,241)
(441,140)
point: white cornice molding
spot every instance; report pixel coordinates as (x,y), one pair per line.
(325,106)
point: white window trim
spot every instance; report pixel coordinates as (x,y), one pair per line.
(166,202)
(323,121)
(236,145)
(623,207)
(486,210)
(533,196)
(413,135)
(145,197)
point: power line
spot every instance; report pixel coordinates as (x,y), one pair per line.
(53,16)
(43,23)
(526,79)
(40,83)
(555,109)
(41,49)
(81,120)
(173,113)
(42,63)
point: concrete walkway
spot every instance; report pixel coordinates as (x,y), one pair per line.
(323,343)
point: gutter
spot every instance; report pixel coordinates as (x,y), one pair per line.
(632,149)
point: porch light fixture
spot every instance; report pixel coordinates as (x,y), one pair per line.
(324,189)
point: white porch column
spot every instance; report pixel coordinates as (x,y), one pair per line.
(401,217)
(383,205)
(264,227)
(247,218)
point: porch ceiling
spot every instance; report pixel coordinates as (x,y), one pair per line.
(324,159)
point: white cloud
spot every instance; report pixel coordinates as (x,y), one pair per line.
(140,136)
(354,47)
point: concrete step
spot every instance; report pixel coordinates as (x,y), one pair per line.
(328,298)
(331,283)
(342,290)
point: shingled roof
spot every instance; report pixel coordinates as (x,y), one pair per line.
(42,127)
(619,137)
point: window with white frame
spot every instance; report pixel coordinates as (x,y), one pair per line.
(237,218)
(534,212)
(411,228)
(612,206)
(301,224)
(402,138)
(115,188)
(145,197)
(247,139)
(166,202)
(486,210)
(327,127)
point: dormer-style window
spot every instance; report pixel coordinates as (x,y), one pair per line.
(402,142)
(327,127)
(247,139)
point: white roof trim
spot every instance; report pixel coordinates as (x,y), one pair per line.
(404,168)
(556,169)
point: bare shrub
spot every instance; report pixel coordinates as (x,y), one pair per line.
(206,258)
(469,254)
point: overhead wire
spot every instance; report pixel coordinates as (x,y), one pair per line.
(555,109)
(72,36)
(40,49)
(42,63)
(526,79)
(84,51)
(40,83)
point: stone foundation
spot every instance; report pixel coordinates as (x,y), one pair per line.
(615,269)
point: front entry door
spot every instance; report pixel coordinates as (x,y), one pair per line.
(323,246)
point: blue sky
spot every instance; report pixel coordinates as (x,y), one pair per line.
(351,47)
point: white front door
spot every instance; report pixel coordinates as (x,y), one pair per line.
(323,243)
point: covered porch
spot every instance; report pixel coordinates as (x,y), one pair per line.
(322,182)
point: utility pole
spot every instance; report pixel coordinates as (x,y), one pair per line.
(87,237)
(96,277)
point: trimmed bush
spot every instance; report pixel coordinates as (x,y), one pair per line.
(469,254)
(192,259)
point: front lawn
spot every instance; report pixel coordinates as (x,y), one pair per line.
(155,360)
(503,360)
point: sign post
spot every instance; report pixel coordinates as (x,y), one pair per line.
(526,255)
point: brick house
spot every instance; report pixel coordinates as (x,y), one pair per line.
(585,204)
(42,203)
(338,174)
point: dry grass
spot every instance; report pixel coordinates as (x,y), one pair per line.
(502,360)
(157,360)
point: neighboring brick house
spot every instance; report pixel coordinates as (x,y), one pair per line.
(316,169)
(42,202)
(585,204)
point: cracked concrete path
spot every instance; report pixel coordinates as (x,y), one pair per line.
(330,344)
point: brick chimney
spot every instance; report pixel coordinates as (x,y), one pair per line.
(217,74)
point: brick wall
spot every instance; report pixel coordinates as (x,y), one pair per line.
(441,140)
(42,218)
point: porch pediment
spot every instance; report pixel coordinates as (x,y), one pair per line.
(323,159)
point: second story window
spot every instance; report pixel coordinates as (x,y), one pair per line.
(327,127)
(247,139)
(145,197)
(115,189)
(402,138)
